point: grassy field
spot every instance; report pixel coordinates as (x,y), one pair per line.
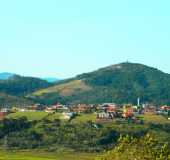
(37,155)
(36,115)
(29,115)
(84,118)
(40,115)
(55,116)
(65,89)
(157,119)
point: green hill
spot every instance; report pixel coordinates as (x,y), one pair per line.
(120,83)
(14,89)
(12,101)
(19,85)
(66,89)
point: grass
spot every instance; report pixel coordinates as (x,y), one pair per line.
(121,127)
(30,115)
(82,118)
(36,115)
(157,119)
(65,89)
(55,116)
(39,155)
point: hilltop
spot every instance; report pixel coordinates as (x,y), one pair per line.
(120,83)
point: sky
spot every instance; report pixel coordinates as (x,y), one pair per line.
(63,38)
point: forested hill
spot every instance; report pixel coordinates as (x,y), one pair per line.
(120,83)
(19,85)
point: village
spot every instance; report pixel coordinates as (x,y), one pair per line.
(105,112)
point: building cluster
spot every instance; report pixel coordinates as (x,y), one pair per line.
(106,111)
(112,111)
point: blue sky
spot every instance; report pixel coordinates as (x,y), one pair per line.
(63,38)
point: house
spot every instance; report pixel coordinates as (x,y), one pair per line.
(107,111)
(59,108)
(108,108)
(150,109)
(128,111)
(56,106)
(2,115)
(103,115)
(165,108)
(80,108)
(37,107)
(6,110)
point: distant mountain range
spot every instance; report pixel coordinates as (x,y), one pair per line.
(6,75)
(51,79)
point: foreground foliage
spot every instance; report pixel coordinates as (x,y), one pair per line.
(81,133)
(146,148)
(51,133)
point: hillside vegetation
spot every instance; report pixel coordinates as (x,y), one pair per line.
(145,148)
(66,89)
(51,137)
(121,83)
(14,89)
(10,100)
(18,85)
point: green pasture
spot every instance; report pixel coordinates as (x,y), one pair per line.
(156,119)
(39,155)
(29,115)
(82,118)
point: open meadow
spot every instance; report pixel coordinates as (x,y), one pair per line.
(40,155)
